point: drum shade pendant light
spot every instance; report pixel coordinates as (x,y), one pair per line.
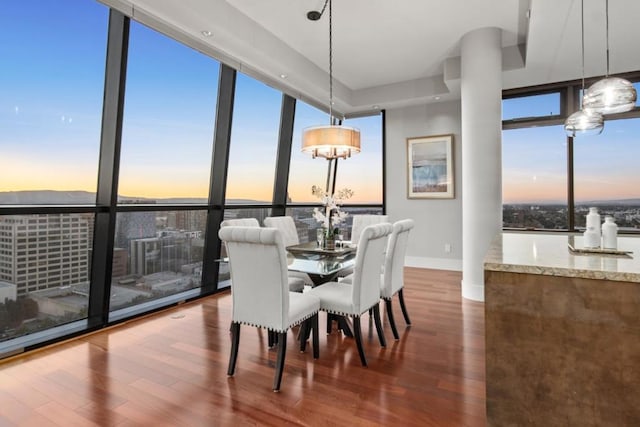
(584,122)
(330,141)
(611,94)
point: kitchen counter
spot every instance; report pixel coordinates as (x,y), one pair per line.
(562,332)
(548,254)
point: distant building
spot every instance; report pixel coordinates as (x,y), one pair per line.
(258,213)
(62,301)
(166,282)
(134,225)
(167,252)
(39,252)
(120,262)
(8,291)
(187,220)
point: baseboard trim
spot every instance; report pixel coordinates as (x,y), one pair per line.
(435,263)
(472,292)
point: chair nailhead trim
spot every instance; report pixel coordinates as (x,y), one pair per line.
(278,330)
(341,313)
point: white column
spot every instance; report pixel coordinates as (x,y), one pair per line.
(481,98)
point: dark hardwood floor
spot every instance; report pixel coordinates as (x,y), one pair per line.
(169,369)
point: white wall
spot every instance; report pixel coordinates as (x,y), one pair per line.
(438,221)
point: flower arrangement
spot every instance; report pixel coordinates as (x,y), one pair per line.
(332,215)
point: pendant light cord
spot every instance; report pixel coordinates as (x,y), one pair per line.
(330,62)
(607,18)
(582,32)
(582,29)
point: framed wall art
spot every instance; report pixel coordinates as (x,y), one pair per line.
(430,167)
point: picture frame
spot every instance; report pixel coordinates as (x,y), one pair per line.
(430,173)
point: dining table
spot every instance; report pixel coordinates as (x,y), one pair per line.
(323,265)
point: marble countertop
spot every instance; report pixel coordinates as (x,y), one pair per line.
(548,254)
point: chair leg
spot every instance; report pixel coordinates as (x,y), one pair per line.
(329,323)
(392,322)
(271,338)
(357,333)
(282,351)
(316,338)
(235,341)
(403,307)
(303,334)
(376,317)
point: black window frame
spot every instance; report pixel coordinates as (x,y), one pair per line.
(106,207)
(569,103)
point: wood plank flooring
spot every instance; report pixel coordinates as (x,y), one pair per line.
(169,369)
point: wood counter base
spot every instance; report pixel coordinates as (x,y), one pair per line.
(561,351)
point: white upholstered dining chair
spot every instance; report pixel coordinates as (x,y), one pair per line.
(260,291)
(296,280)
(364,293)
(392,276)
(392,281)
(241,222)
(359,224)
(287,227)
(362,221)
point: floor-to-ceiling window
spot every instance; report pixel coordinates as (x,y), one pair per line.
(606,174)
(167,143)
(51,88)
(252,155)
(114,175)
(254,142)
(549,180)
(534,178)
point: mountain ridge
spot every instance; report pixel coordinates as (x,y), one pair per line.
(79,197)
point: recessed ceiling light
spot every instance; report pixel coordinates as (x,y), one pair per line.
(375,107)
(206,33)
(283,76)
(437,98)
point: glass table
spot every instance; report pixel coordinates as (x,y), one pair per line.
(322,265)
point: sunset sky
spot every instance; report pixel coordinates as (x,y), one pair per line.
(51,106)
(535,161)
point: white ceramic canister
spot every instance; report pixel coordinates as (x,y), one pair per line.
(609,233)
(591,239)
(593,220)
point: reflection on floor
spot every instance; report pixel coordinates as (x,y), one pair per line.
(170,369)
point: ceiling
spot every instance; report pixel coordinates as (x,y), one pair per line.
(390,54)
